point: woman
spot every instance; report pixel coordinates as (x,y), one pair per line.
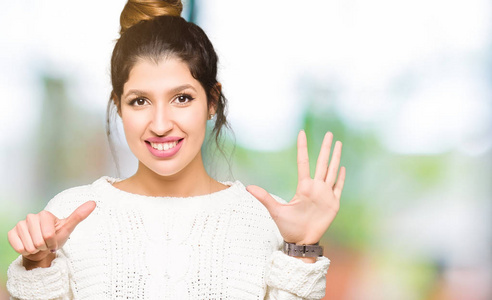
(171,231)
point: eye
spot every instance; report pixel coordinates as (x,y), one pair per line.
(138,101)
(183,99)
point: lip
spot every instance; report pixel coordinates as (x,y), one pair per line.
(166,139)
(164,153)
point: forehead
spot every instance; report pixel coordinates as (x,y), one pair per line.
(164,74)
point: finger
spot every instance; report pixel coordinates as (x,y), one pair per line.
(302,157)
(35,231)
(78,215)
(339,185)
(324,157)
(334,164)
(266,199)
(23,233)
(48,221)
(16,242)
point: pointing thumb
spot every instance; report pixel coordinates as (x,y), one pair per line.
(265,198)
(78,215)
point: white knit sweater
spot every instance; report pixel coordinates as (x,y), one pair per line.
(218,246)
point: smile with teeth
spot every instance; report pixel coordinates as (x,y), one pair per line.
(164,146)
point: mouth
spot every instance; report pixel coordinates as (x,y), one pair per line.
(164,149)
(164,146)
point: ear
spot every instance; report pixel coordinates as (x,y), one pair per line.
(215,93)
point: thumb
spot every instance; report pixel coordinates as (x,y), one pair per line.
(78,215)
(265,198)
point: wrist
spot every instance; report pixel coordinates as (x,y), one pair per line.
(43,263)
(301,243)
(306,241)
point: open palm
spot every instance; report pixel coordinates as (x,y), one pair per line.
(308,215)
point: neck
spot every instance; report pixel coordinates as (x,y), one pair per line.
(193,180)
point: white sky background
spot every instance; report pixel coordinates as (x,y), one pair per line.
(362,47)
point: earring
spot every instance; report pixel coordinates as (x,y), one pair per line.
(211,116)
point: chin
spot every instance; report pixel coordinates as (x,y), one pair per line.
(169,167)
(165,172)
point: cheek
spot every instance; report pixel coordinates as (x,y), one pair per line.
(132,124)
(194,121)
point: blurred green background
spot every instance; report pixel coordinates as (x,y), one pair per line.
(405,86)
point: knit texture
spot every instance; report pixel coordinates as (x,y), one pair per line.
(222,245)
(39,284)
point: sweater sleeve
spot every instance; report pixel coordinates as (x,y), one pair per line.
(39,283)
(290,278)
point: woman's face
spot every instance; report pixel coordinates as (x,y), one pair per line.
(164,113)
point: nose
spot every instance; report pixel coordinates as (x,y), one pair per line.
(162,121)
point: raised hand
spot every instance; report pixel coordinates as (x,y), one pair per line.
(308,215)
(40,235)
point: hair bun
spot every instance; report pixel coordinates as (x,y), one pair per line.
(140,10)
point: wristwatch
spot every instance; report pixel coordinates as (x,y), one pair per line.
(302,250)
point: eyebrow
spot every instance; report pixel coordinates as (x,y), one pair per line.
(172,91)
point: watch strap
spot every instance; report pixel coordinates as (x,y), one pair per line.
(302,250)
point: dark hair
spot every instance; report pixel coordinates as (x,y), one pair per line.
(153,30)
